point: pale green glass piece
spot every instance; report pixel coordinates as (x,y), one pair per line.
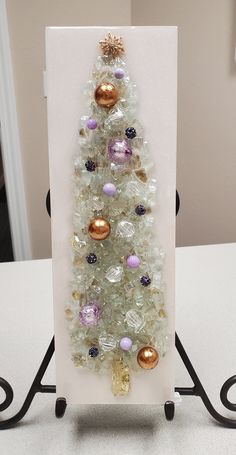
(128,309)
(97,204)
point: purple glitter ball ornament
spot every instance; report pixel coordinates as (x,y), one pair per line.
(119,151)
(119,73)
(109,189)
(140,210)
(145,280)
(92,124)
(90,314)
(90,166)
(126,343)
(133,261)
(130,132)
(93,351)
(91,258)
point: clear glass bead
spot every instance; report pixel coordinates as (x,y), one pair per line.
(133,189)
(107,342)
(114,274)
(115,119)
(125,229)
(135,319)
(77,244)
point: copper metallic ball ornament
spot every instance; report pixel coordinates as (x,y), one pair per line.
(99,229)
(148,358)
(106,95)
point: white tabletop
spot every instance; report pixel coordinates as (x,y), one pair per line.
(206,319)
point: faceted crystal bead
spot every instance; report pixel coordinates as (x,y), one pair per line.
(90,314)
(77,244)
(139,299)
(107,342)
(125,229)
(116,208)
(135,319)
(83,121)
(152,187)
(114,274)
(115,119)
(133,189)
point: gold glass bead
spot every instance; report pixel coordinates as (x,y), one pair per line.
(76,295)
(141,174)
(120,378)
(69,314)
(162,313)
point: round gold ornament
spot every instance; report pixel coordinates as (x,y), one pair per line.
(148,358)
(99,229)
(106,95)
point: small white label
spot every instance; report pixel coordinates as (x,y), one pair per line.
(177,398)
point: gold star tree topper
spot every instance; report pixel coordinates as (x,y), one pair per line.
(112,45)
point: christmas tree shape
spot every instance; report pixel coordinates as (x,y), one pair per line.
(116,316)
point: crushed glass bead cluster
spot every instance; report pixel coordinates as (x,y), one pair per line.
(111,300)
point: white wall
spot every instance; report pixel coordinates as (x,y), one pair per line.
(206,174)
(27,21)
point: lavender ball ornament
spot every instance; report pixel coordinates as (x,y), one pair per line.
(119,151)
(89,315)
(91,124)
(133,261)
(126,343)
(109,189)
(119,73)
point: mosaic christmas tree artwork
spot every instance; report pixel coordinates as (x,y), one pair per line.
(116,316)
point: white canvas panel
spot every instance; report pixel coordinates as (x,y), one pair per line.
(151,55)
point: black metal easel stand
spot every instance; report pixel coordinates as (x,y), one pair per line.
(169,407)
(197,390)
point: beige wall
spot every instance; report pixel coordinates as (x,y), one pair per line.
(206,174)
(27,20)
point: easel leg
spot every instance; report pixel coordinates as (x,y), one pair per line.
(35,388)
(198,389)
